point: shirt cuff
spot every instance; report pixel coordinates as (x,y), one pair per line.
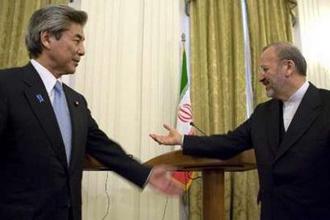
(182,140)
(147,180)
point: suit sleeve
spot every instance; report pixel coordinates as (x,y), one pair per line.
(3,111)
(222,146)
(113,156)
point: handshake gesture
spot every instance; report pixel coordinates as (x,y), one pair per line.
(159,177)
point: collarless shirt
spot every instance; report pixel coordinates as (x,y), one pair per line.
(291,105)
(47,78)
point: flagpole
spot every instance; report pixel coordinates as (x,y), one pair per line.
(183,38)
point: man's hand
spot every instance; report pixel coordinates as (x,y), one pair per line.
(161,179)
(173,137)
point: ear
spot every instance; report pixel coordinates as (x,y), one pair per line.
(46,39)
(291,68)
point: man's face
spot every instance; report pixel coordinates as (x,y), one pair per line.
(64,54)
(272,73)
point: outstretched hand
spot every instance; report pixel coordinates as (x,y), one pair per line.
(173,137)
(162,180)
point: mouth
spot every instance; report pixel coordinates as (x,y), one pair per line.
(265,82)
(76,62)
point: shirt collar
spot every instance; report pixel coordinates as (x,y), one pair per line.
(46,76)
(299,94)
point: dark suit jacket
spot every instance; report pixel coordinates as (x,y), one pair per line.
(294,174)
(35,179)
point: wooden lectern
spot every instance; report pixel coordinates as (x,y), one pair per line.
(213,176)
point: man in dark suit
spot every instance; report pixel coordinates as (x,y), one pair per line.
(46,128)
(290,135)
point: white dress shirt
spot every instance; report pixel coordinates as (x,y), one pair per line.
(47,78)
(291,105)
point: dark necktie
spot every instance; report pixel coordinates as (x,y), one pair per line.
(282,130)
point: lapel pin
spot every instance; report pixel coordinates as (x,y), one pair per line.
(40,98)
(76,103)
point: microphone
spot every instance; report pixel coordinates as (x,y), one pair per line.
(200,130)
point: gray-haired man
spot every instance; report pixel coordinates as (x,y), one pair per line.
(46,128)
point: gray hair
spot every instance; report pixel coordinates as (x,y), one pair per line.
(286,51)
(53,19)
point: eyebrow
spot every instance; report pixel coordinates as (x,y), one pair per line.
(79,36)
(263,66)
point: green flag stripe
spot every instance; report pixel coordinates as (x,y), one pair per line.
(184,74)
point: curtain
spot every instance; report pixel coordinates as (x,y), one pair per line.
(314,35)
(130,78)
(218,81)
(269,21)
(14,17)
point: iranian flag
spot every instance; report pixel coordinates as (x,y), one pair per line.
(184,114)
(184,117)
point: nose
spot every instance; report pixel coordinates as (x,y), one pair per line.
(261,74)
(81,49)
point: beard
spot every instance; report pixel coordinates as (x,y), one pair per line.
(270,93)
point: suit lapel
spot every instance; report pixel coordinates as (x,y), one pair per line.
(273,128)
(38,98)
(307,112)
